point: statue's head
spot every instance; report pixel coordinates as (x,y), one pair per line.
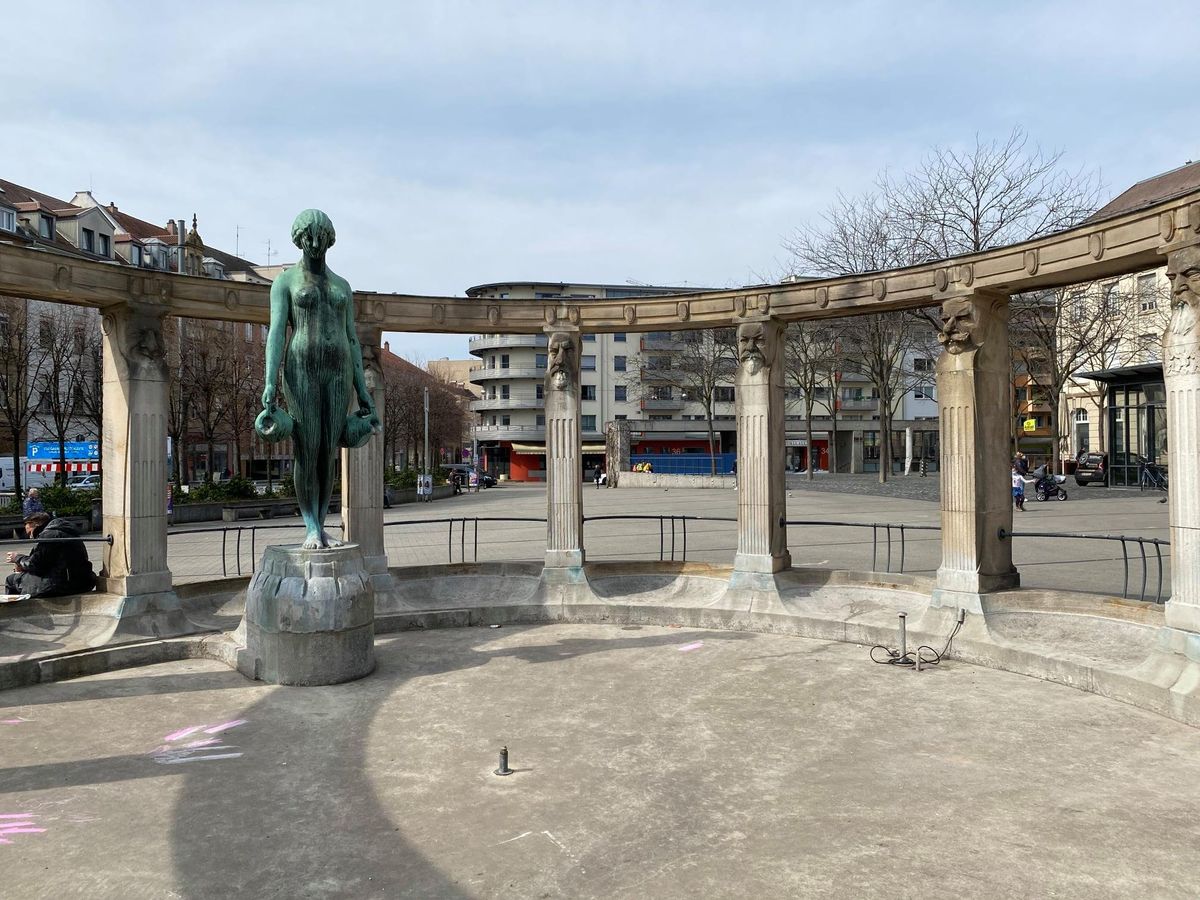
(752,347)
(560,365)
(957,333)
(313,233)
(1183,271)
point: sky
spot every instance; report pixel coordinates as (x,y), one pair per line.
(461,143)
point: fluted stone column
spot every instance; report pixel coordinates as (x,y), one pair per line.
(974,407)
(762,538)
(564,452)
(362,474)
(1181,373)
(135,460)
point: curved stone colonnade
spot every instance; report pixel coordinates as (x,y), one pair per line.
(972,375)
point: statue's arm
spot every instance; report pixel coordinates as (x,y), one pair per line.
(276,337)
(366,404)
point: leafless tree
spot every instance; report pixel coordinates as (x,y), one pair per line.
(91,384)
(244,398)
(22,361)
(995,193)
(690,367)
(60,337)
(810,351)
(206,373)
(179,395)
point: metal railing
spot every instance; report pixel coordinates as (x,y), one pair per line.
(1125,540)
(681,530)
(463,522)
(238,531)
(887,528)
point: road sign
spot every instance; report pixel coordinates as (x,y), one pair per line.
(1030,425)
(74,450)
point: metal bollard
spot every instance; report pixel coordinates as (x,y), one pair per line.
(903,636)
(503,768)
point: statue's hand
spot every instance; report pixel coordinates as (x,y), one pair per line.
(376,425)
(268,397)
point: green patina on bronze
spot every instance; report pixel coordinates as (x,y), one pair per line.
(322,363)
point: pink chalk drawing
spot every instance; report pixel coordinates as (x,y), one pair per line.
(17,823)
(12,721)
(200,750)
(694,645)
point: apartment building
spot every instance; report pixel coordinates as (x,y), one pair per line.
(627,376)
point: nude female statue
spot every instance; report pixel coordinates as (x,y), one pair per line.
(321,362)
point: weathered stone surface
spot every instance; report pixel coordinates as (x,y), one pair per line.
(362,474)
(564,452)
(762,496)
(973,388)
(309,617)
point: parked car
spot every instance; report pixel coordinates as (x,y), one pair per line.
(84,482)
(1091,468)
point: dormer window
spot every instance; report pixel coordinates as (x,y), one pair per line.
(8,219)
(46,226)
(105,248)
(135,254)
(88,241)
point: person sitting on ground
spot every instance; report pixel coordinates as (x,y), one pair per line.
(32,503)
(52,568)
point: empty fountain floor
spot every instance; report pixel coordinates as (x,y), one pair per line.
(650,762)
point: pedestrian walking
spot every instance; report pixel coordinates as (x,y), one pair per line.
(1018,488)
(1021,463)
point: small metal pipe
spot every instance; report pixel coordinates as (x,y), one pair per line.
(1145,567)
(1125,556)
(903,635)
(684,518)
(503,768)
(888,528)
(475,551)
(902,548)
(239,551)
(224,564)
(462,541)
(660,539)
(1158,553)
(874,544)
(450,542)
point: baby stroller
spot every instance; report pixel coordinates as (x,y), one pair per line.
(1047,486)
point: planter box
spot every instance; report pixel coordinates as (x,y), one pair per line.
(259,509)
(195,512)
(409,495)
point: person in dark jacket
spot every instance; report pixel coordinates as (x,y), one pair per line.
(52,568)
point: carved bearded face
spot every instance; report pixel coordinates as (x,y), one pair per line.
(958,326)
(1183,271)
(558,353)
(752,347)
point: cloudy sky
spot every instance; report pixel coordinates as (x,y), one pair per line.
(458,143)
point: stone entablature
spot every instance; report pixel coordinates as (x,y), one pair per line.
(1103,249)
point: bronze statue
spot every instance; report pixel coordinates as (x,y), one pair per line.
(323,360)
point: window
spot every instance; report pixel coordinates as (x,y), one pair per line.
(662,392)
(619,337)
(658,363)
(590,337)
(105,245)
(504,392)
(135,254)
(88,242)
(539,360)
(923,392)
(619,393)
(587,423)
(493,420)
(504,361)
(922,364)
(248,332)
(619,363)
(588,362)
(587,392)
(46,227)
(505,420)
(660,418)
(1081,415)
(1151,347)
(723,395)
(620,417)
(541,392)
(1147,293)
(8,220)
(540,421)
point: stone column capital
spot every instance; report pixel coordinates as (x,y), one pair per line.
(135,331)
(759,347)
(969,318)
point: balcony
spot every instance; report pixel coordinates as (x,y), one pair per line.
(485,404)
(671,403)
(862,404)
(482,342)
(478,375)
(652,345)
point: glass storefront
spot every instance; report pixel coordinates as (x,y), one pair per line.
(1137,419)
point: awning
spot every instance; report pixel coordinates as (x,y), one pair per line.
(71,467)
(540,449)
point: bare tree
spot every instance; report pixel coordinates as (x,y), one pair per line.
(810,350)
(22,361)
(206,372)
(244,398)
(690,367)
(60,339)
(995,193)
(179,395)
(91,384)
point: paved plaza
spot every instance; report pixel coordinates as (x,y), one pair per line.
(650,762)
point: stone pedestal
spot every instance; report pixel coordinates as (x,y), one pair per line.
(974,404)
(762,504)
(362,476)
(1181,374)
(310,618)
(564,452)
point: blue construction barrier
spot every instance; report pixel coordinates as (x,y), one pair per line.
(686,463)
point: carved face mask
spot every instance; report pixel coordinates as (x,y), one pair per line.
(751,348)
(559,352)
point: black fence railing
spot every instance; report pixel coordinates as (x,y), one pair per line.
(678,534)
(888,528)
(237,543)
(464,524)
(1124,540)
